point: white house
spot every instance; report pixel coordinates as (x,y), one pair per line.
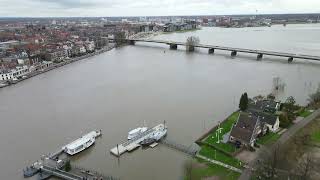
(90,46)
(14,74)
(82,50)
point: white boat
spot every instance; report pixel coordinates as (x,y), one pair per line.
(82,143)
(159,132)
(133,133)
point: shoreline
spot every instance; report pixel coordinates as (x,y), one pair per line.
(57,65)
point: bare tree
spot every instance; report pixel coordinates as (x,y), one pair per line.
(315,97)
(191,42)
(188,168)
(267,169)
(305,167)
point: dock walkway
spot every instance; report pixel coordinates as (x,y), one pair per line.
(190,150)
(134,142)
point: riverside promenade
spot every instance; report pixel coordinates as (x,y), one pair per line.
(57,65)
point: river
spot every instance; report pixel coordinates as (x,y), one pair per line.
(120,89)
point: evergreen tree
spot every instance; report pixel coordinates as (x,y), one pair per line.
(243,105)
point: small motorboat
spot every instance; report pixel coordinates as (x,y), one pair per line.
(30,171)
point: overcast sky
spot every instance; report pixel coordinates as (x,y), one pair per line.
(45,8)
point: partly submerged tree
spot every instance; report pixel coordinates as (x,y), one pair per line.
(315,97)
(244,101)
(67,166)
(120,38)
(191,42)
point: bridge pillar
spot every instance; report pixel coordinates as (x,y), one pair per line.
(233,53)
(132,42)
(173,46)
(211,50)
(290,59)
(259,56)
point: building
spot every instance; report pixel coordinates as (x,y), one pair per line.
(57,55)
(269,106)
(246,130)
(90,46)
(14,74)
(271,120)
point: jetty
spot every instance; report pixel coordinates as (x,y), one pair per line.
(189,150)
(58,165)
(135,141)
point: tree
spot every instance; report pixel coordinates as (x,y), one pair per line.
(120,38)
(67,166)
(188,168)
(315,97)
(291,101)
(284,120)
(271,96)
(267,169)
(243,105)
(305,166)
(191,42)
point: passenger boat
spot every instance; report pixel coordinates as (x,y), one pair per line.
(82,143)
(133,133)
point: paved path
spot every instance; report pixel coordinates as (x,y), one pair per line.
(284,138)
(219,163)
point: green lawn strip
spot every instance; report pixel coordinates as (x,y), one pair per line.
(269,138)
(315,136)
(219,156)
(305,113)
(210,170)
(226,127)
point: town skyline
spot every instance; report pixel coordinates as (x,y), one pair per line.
(130,8)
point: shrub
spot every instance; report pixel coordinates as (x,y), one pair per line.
(68,166)
(284,120)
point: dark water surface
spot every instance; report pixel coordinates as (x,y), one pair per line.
(119,90)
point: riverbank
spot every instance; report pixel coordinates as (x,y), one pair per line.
(148,35)
(57,65)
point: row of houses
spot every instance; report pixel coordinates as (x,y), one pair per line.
(171,27)
(255,122)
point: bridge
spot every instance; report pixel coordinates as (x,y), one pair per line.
(211,49)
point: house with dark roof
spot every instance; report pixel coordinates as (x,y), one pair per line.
(271,120)
(246,129)
(266,105)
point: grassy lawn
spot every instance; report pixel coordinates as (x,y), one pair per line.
(315,136)
(217,155)
(305,113)
(211,170)
(269,138)
(226,127)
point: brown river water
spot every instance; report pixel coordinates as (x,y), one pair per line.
(120,89)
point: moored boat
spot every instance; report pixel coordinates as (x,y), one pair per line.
(82,143)
(159,132)
(133,133)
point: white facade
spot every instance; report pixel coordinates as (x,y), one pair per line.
(90,46)
(275,127)
(82,50)
(14,74)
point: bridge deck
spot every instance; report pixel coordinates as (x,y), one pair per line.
(251,51)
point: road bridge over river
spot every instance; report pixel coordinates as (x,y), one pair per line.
(211,49)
